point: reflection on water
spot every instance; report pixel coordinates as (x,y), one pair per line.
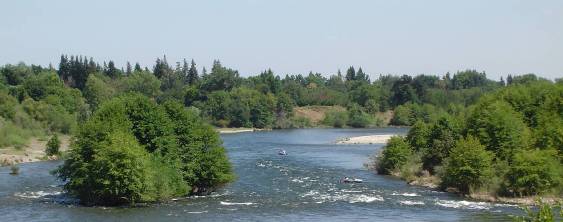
(305,185)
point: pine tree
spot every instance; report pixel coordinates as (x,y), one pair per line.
(361,76)
(111,70)
(192,76)
(128,72)
(138,67)
(351,74)
(161,68)
(64,71)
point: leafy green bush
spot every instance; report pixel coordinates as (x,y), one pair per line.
(394,155)
(7,105)
(468,166)
(53,146)
(300,122)
(358,118)
(402,116)
(545,212)
(534,172)
(335,118)
(13,135)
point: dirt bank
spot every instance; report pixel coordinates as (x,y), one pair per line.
(32,152)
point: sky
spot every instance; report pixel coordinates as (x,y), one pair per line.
(396,37)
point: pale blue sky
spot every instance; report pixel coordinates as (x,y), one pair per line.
(294,36)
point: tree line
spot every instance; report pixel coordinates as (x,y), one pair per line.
(56,99)
(509,143)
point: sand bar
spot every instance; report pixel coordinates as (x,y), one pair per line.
(371,139)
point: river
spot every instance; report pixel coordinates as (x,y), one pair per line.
(302,186)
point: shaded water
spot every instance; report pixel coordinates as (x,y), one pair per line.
(302,186)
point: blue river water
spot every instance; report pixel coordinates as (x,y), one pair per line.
(302,186)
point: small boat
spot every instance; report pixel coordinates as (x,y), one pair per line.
(282,153)
(352,180)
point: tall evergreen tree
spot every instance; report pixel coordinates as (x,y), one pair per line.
(128,72)
(138,67)
(361,76)
(192,75)
(161,68)
(111,70)
(351,74)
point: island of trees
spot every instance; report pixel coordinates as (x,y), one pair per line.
(146,134)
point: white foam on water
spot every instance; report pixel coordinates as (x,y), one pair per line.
(233,203)
(352,191)
(405,194)
(364,198)
(35,195)
(347,197)
(462,204)
(410,203)
(196,212)
(296,180)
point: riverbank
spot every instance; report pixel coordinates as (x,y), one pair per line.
(371,139)
(432,182)
(34,151)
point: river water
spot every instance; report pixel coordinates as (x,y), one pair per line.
(302,186)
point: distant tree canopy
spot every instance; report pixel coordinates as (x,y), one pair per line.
(83,84)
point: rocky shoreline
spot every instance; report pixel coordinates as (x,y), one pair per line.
(430,182)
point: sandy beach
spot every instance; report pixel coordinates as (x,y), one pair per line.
(34,151)
(236,130)
(371,139)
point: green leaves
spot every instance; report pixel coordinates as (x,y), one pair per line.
(53,146)
(534,172)
(468,166)
(394,155)
(134,150)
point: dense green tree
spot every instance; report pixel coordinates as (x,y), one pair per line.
(403,92)
(7,105)
(418,136)
(394,155)
(111,70)
(141,82)
(220,78)
(97,91)
(468,166)
(534,172)
(499,128)
(443,136)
